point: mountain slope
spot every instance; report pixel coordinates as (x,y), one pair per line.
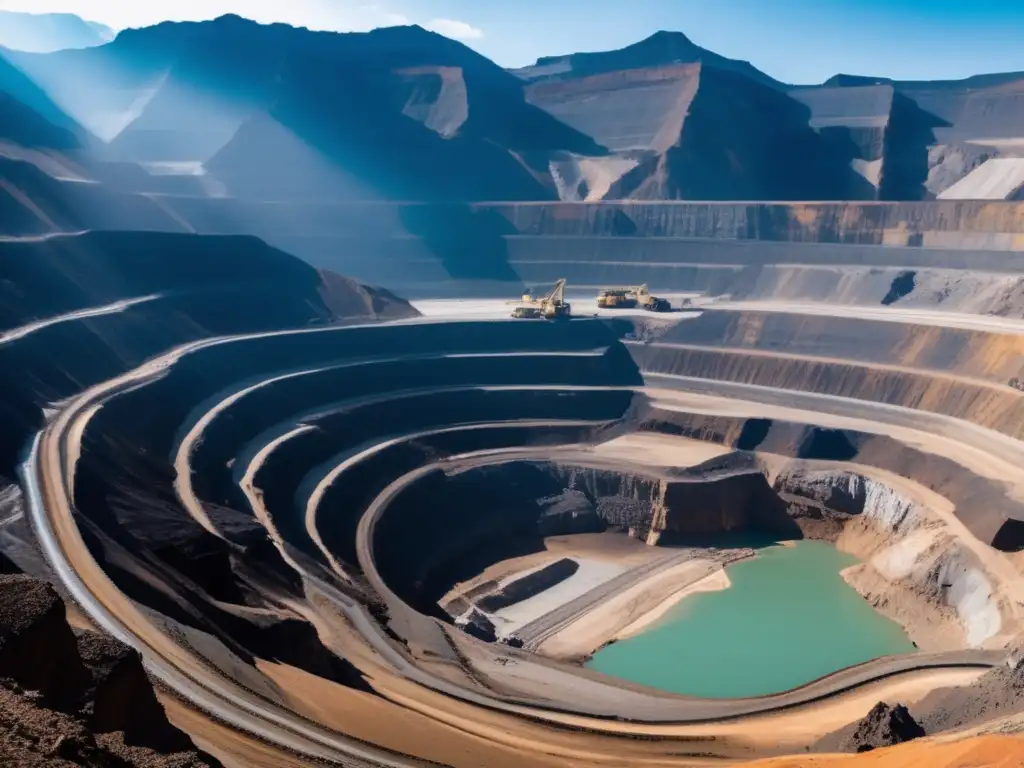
(231,108)
(936,133)
(378,106)
(743,140)
(24,126)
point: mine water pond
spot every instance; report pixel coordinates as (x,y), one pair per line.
(787,618)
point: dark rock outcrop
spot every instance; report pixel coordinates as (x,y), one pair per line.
(122,698)
(884,726)
(32,736)
(85,700)
(38,650)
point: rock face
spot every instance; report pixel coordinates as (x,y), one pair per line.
(38,650)
(884,726)
(122,697)
(718,497)
(67,700)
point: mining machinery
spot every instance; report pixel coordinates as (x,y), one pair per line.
(630,297)
(551,306)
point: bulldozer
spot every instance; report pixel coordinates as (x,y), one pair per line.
(630,297)
(551,306)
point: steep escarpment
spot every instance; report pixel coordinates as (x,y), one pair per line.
(915,567)
(855,122)
(993,224)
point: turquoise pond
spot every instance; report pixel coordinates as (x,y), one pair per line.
(787,619)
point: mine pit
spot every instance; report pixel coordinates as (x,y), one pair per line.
(676,617)
(366,403)
(684,526)
(506,504)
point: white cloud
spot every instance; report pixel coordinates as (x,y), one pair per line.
(456,30)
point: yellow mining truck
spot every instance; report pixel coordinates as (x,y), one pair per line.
(630,297)
(616,298)
(551,306)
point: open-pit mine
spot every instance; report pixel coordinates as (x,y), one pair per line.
(254,513)
(715,533)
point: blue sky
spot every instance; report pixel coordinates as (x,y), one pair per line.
(793,40)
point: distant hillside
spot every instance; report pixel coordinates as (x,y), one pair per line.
(394,112)
(685,123)
(47,32)
(269,114)
(695,131)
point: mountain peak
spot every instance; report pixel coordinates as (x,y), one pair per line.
(665,37)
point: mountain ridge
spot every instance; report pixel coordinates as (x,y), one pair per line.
(49,32)
(276,112)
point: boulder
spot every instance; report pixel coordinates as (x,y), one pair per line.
(884,726)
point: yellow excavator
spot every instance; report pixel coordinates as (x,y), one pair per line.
(630,297)
(551,306)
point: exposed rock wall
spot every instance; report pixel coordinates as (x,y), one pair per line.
(981,503)
(505,510)
(991,356)
(995,225)
(988,405)
(915,569)
(937,289)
